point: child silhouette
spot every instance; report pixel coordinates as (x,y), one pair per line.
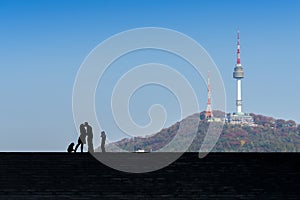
(71,147)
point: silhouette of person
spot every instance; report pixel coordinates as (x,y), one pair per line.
(81,139)
(103,138)
(89,132)
(70,147)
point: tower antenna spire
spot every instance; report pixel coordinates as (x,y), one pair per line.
(238,62)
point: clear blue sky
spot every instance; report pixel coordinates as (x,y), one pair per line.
(43,43)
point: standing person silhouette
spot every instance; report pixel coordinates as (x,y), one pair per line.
(103,138)
(81,139)
(89,132)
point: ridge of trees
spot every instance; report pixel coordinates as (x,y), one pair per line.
(268,135)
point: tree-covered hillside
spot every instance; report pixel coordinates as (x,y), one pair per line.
(267,135)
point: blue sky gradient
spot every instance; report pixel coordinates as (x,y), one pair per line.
(43,43)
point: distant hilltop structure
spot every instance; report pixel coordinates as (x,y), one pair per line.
(208,112)
(239,117)
(209,115)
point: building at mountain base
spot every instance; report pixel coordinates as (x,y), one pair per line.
(237,118)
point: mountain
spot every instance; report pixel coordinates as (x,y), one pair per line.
(266,135)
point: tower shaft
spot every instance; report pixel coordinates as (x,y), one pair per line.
(239,96)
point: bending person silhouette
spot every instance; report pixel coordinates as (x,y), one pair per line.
(103,138)
(89,132)
(81,139)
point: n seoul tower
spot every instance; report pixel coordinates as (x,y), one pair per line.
(238,74)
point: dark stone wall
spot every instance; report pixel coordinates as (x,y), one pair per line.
(217,176)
